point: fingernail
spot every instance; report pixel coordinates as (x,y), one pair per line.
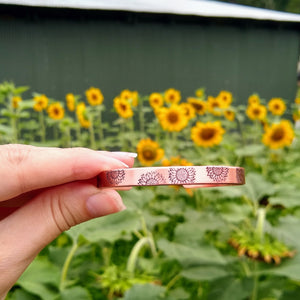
(126,166)
(130,154)
(101,205)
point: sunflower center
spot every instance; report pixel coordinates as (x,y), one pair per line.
(149,153)
(173,117)
(256,111)
(56,111)
(94,96)
(207,133)
(123,107)
(278,134)
(277,106)
(197,106)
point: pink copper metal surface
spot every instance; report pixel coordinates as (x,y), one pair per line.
(190,176)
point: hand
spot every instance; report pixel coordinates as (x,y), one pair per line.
(45,191)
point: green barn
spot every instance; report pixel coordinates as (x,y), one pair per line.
(56,47)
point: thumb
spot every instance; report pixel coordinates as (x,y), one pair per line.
(24,233)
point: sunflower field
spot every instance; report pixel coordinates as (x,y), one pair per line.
(225,243)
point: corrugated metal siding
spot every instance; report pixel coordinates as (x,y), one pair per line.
(56,56)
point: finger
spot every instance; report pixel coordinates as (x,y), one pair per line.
(27,168)
(25,232)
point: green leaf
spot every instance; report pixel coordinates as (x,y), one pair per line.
(20,294)
(41,278)
(137,198)
(109,228)
(250,150)
(255,188)
(145,292)
(286,195)
(75,293)
(204,273)
(20,89)
(234,213)
(191,256)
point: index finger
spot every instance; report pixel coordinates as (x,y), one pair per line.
(25,168)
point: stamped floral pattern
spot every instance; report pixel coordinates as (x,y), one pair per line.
(240,175)
(217,174)
(115,176)
(151,178)
(182,175)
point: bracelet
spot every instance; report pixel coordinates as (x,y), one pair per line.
(187,176)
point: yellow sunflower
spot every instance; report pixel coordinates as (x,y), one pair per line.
(207,134)
(94,96)
(199,105)
(149,152)
(254,99)
(189,110)
(229,114)
(276,106)
(215,105)
(278,135)
(172,96)
(70,100)
(123,108)
(225,98)
(135,98)
(176,161)
(15,101)
(200,93)
(56,111)
(256,112)
(172,118)
(82,115)
(40,102)
(156,100)
(297,100)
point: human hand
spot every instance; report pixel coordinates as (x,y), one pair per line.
(45,191)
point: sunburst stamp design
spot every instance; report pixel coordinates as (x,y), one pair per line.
(115,176)
(151,178)
(240,175)
(182,175)
(217,174)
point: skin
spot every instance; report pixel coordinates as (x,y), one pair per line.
(45,191)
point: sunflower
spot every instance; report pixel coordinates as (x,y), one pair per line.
(173,118)
(176,161)
(172,96)
(189,110)
(278,135)
(276,106)
(134,98)
(253,99)
(256,112)
(297,100)
(126,95)
(123,108)
(40,102)
(207,134)
(200,93)
(156,100)
(229,114)
(149,152)
(94,96)
(56,111)
(215,105)
(82,115)
(70,100)
(15,101)
(225,98)
(199,105)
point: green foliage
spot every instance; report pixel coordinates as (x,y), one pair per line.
(227,243)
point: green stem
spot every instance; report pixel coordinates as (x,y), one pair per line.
(101,134)
(131,263)
(92,135)
(67,265)
(141,117)
(255,282)
(259,230)
(13,120)
(42,126)
(173,281)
